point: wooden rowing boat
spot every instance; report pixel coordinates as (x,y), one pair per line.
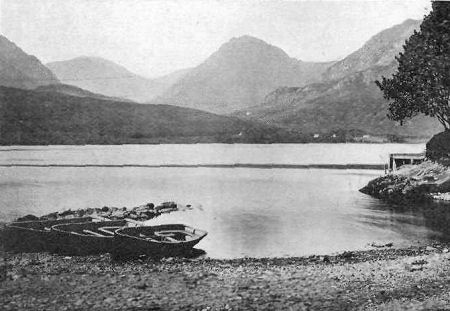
(34,236)
(87,238)
(155,241)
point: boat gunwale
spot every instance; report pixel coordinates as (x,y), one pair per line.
(15,224)
(65,232)
(202,234)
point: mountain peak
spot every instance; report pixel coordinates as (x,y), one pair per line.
(248,47)
(88,60)
(247,39)
(239,75)
(411,21)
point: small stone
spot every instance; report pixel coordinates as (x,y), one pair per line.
(142,286)
(347,254)
(79,302)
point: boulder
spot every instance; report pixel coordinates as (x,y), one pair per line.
(66,213)
(28,218)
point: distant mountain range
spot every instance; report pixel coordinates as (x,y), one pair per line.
(239,75)
(347,97)
(18,69)
(266,96)
(105,77)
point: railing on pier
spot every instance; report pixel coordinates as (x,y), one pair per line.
(398,159)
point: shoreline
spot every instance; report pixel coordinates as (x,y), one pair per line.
(235,165)
(375,279)
(408,141)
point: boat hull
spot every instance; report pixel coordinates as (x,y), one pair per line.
(128,245)
(34,236)
(72,241)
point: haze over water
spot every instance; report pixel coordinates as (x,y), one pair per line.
(247,211)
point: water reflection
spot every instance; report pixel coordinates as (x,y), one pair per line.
(431,219)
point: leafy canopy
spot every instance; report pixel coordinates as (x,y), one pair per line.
(422,81)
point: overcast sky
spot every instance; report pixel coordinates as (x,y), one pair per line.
(154,37)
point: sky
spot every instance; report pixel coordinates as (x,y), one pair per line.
(156,37)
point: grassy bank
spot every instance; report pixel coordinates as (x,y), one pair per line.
(381,279)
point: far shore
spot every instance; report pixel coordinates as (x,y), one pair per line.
(237,165)
(182,142)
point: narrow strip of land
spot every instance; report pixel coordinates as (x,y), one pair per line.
(236,165)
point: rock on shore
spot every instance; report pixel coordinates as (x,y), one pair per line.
(411,183)
(140,213)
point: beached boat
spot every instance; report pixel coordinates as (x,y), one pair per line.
(162,240)
(87,238)
(34,236)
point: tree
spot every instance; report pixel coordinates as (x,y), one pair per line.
(422,81)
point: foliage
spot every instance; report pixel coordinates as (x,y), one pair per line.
(438,148)
(422,81)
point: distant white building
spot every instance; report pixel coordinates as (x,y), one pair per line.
(316,135)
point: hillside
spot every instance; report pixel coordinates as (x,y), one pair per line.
(18,69)
(30,118)
(105,77)
(74,91)
(379,51)
(348,100)
(239,75)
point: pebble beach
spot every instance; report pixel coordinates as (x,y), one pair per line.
(416,278)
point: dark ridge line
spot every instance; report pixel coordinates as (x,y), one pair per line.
(238,165)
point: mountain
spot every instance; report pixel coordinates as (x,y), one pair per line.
(348,99)
(18,69)
(105,77)
(74,91)
(239,75)
(30,118)
(379,51)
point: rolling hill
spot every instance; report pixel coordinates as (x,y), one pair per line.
(74,91)
(239,75)
(18,69)
(105,77)
(41,118)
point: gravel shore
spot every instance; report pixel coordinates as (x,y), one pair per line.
(416,278)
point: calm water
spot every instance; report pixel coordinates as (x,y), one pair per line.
(247,211)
